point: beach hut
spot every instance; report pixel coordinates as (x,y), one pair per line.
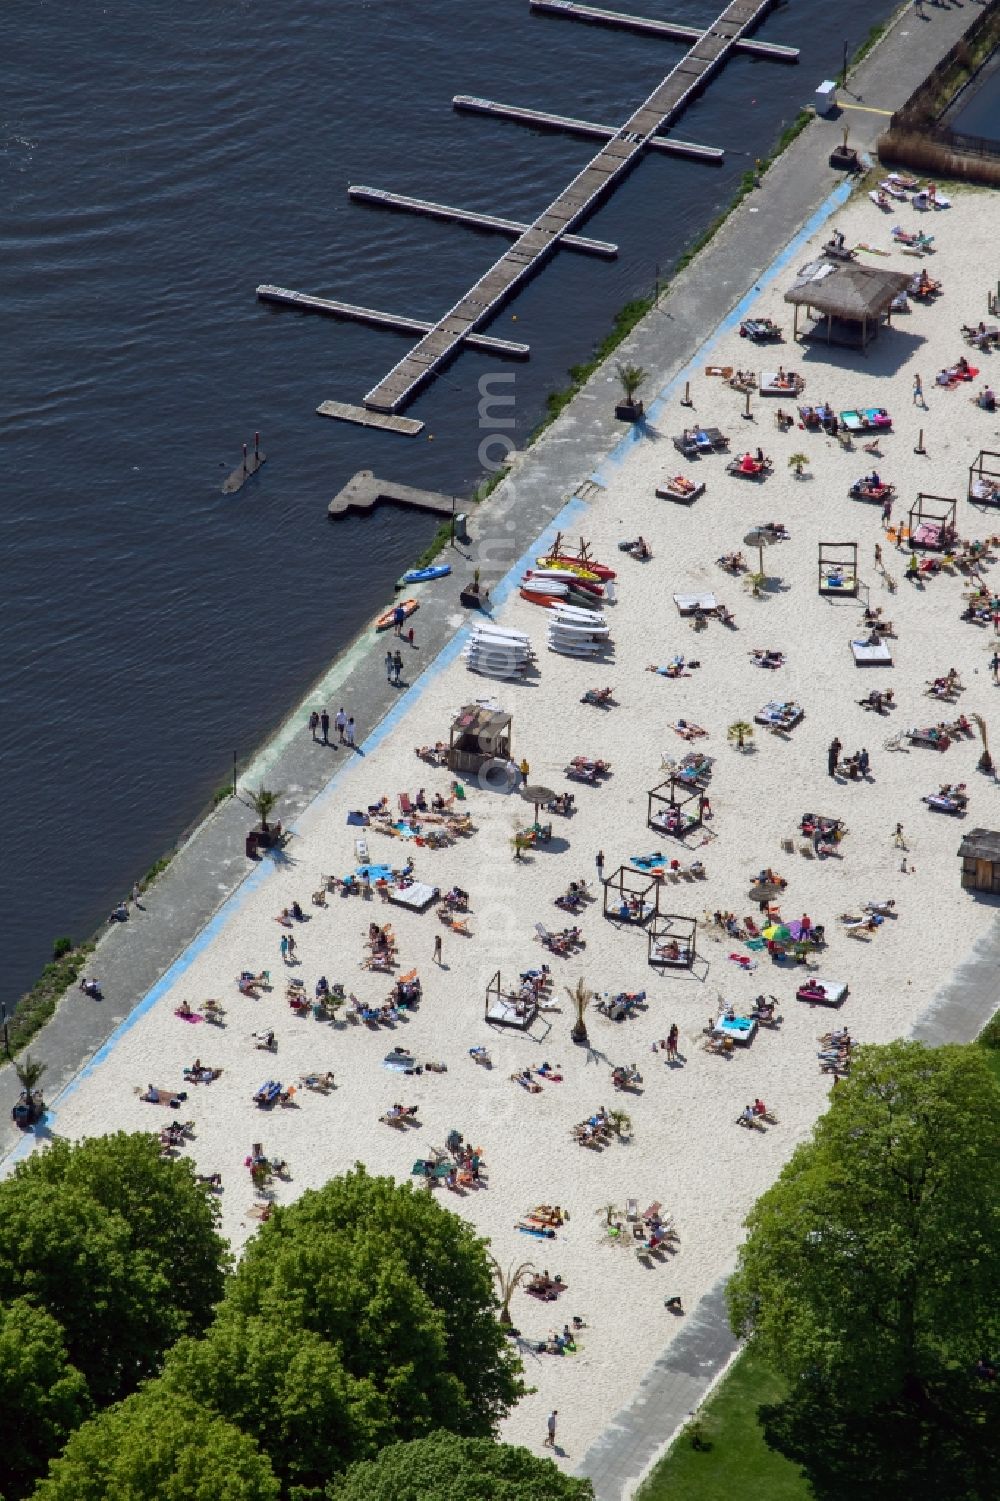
(675,806)
(838,569)
(631,896)
(984,479)
(672,941)
(507,1009)
(478,736)
(852,300)
(933,522)
(980,853)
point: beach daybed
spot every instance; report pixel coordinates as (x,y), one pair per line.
(690,604)
(932,523)
(504,1009)
(838,568)
(871,654)
(675,807)
(680,489)
(780,383)
(866,420)
(747,467)
(822,992)
(779,716)
(672,941)
(742,1029)
(416,897)
(761,331)
(631,896)
(863,489)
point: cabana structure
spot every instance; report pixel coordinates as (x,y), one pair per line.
(675,807)
(851,300)
(631,896)
(507,1008)
(672,941)
(933,523)
(838,569)
(477,737)
(984,479)
(980,852)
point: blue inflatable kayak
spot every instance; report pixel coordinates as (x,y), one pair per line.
(419,575)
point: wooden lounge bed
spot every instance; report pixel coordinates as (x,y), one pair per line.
(777,715)
(680,489)
(833,991)
(742,1029)
(688,604)
(868,655)
(417,897)
(506,1012)
(772,384)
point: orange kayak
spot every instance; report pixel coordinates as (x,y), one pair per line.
(386,621)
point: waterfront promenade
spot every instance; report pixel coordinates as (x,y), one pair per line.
(212,865)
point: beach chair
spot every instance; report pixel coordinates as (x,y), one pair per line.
(361,851)
(405,805)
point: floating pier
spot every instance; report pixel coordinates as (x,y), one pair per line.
(251,463)
(347,411)
(672,31)
(543,119)
(600,176)
(396,323)
(364,490)
(379,198)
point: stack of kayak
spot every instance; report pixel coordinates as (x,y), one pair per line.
(497,652)
(577,632)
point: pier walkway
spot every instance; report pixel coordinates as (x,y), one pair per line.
(600,176)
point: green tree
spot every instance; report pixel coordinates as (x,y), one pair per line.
(868,1279)
(119,1245)
(287,1389)
(401,1286)
(42,1397)
(157,1446)
(445,1467)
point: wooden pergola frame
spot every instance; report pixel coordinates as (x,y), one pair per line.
(628,883)
(676,792)
(942,512)
(505,1000)
(669,927)
(979,469)
(830,558)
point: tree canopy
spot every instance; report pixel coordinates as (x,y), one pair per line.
(869,1276)
(445,1467)
(156,1446)
(119,1245)
(401,1286)
(42,1397)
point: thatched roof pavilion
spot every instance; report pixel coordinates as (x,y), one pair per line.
(852,298)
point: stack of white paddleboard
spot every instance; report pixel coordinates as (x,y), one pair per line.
(578,633)
(498,652)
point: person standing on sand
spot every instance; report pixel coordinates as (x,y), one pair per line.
(918,392)
(833,756)
(349,733)
(898,839)
(524,769)
(324,723)
(672,1036)
(313,723)
(995,666)
(550,1429)
(340,722)
(887,510)
(284,947)
(437,949)
(864,762)
(599,861)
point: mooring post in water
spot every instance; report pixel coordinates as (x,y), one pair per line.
(256,446)
(686,398)
(244,458)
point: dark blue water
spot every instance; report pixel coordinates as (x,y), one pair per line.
(157,161)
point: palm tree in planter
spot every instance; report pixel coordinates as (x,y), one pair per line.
(508,1282)
(631,378)
(263,802)
(799,462)
(581,998)
(29,1072)
(985,760)
(741,731)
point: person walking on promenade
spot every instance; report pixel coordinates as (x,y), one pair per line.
(437,949)
(398,616)
(324,724)
(550,1429)
(349,733)
(340,722)
(388,666)
(918,392)
(397,667)
(599,861)
(313,723)
(833,756)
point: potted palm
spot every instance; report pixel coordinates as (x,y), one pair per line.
(30,1107)
(263,802)
(631,378)
(581,998)
(741,732)
(799,462)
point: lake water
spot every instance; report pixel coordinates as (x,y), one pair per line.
(156,163)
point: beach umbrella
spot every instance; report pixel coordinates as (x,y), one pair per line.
(777,933)
(763,891)
(759,537)
(535,793)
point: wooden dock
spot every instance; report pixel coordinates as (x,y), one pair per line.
(579,198)
(379,198)
(390,422)
(543,119)
(670,30)
(364,490)
(395,322)
(252,460)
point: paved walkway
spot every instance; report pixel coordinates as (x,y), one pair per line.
(187,901)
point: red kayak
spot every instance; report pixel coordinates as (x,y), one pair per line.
(542,599)
(572,561)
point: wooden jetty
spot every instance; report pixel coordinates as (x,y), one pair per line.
(543,119)
(390,422)
(396,323)
(379,198)
(364,490)
(251,463)
(579,198)
(670,30)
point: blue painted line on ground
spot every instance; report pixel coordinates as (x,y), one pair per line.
(618,454)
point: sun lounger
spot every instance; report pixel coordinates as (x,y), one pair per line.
(760,331)
(773,384)
(868,655)
(777,715)
(680,489)
(742,1029)
(417,897)
(822,992)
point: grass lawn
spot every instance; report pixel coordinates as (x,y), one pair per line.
(738,1463)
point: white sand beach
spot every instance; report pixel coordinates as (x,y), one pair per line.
(686,1150)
